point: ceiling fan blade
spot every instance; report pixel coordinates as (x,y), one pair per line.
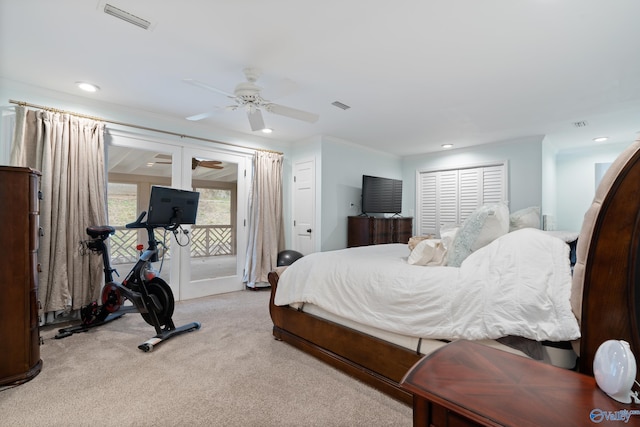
(255,119)
(212,164)
(292,113)
(206,86)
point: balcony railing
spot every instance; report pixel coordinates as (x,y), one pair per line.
(206,241)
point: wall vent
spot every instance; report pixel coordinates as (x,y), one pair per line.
(126,16)
(340,105)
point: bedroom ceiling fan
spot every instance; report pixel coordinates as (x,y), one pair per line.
(211,164)
(246,96)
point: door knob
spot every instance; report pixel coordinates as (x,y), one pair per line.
(308,230)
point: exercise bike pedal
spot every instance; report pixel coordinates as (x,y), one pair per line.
(151,343)
(67,332)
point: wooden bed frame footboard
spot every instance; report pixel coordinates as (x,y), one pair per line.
(373,361)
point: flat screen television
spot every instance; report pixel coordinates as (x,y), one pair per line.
(381,195)
(171,206)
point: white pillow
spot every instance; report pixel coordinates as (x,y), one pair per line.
(495,225)
(525,218)
(427,252)
(482,227)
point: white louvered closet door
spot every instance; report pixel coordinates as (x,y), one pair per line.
(450,196)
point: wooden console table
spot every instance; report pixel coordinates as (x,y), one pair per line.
(469,384)
(365,230)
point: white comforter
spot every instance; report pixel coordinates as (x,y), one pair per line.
(517,285)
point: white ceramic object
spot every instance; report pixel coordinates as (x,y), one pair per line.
(614,368)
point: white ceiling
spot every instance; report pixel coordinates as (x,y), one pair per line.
(416,73)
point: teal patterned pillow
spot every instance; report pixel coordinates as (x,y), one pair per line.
(483,226)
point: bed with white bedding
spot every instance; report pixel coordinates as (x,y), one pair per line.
(370,313)
(517,285)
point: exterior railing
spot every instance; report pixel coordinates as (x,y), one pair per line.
(206,241)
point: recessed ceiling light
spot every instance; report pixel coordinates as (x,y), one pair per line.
(445,146)
(87,87)
(267,130)
(601,139)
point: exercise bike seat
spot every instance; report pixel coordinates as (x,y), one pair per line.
(102,231)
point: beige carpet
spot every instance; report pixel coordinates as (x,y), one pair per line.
(231,372)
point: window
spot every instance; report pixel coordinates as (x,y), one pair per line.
(450,196)
(122,203)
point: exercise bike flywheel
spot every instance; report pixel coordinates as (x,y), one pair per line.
(161,291)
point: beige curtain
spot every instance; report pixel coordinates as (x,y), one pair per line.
(266,225)
(69,152)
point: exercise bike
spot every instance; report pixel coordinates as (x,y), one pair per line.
(150,295)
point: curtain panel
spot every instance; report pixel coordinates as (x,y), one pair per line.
(69,152)
(266,224)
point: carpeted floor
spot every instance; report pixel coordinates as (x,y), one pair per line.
(231,372)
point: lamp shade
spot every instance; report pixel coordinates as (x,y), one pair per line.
(614,368)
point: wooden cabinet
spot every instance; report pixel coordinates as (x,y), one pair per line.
(19,327)
(364,230)
(469,384)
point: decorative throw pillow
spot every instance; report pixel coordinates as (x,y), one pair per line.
(427,252)
(413,241)
(482,227)
(525,218)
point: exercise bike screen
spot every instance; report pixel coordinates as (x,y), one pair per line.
(171,206)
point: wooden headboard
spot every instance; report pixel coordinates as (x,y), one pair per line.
(607,265)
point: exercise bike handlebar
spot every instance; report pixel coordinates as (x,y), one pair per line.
(138,222)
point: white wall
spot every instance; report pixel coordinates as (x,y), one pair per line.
(523,155)
(549,183)
(576,181)
(343,165)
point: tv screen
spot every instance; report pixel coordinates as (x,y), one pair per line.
(381,195)
(171,206)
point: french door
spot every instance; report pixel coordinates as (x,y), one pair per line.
(208,257)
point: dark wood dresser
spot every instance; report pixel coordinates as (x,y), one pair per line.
(469,384)
(19,238)
(365,230)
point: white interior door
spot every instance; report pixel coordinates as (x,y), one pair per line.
(304,206)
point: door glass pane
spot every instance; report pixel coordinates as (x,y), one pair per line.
(213,237)
(122,207)
(132,173)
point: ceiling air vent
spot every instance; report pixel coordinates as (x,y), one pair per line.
(580,124)
(126,16)
(340,105)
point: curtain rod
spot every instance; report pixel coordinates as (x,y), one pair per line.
(55,110)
